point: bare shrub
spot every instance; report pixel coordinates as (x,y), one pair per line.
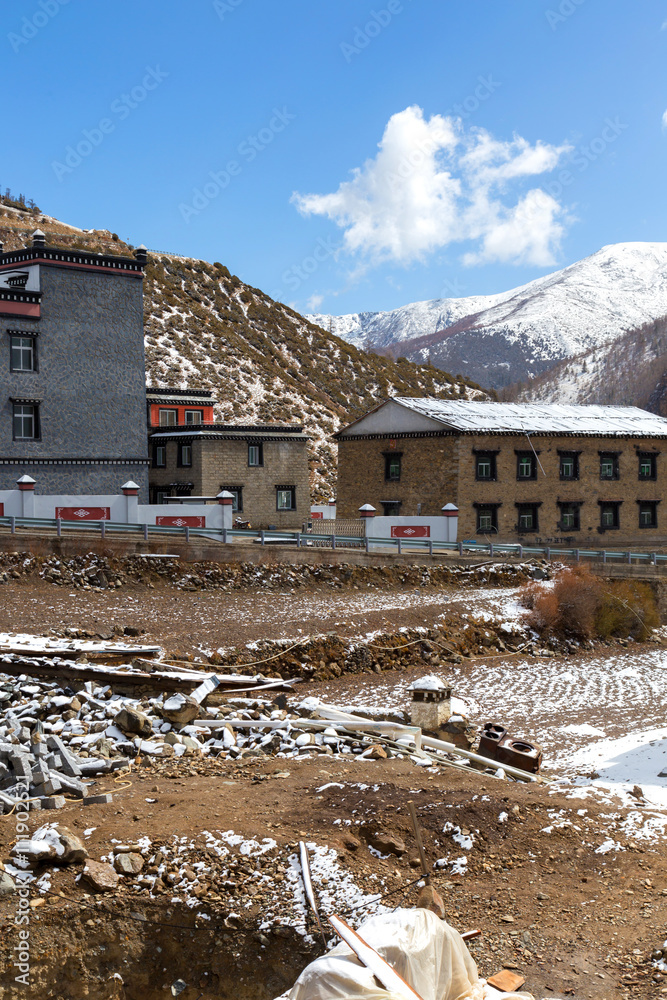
(628,609)
(544,615)
(579,596)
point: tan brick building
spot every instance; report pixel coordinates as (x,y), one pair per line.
(264,466)
(556,474)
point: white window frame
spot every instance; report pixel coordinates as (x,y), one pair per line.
(255,451)
(194,416)
(281,494)
(23,412)
(26,346)
(167,417)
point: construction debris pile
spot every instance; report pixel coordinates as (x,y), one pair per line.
(97,571)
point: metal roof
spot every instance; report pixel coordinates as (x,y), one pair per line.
(539,418)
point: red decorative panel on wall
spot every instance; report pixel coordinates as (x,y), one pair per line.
(84,513)
(181,521)
(316,515)
(2,510)
(410,531)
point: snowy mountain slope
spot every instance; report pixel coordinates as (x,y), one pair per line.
(501,339)
(205,328)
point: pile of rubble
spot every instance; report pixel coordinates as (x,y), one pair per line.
(102,572)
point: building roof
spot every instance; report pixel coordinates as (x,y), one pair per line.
(180,396)
(533,418)
(231,432)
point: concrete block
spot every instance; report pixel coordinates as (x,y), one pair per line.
(69,784)
(51,786)
(53,802)
(94,800)
(69,762)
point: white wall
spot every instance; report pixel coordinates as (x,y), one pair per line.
(435,529)
(327,511)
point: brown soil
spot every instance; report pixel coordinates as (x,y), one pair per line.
(573,922)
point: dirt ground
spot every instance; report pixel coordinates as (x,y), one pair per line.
(573,920)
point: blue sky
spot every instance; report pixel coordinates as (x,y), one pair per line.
(345,155)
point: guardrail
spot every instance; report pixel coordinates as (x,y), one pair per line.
(303,539)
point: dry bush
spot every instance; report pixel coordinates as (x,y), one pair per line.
(582,606)
(628,609)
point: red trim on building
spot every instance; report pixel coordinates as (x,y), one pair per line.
(182,521)
(83,513)
(29,309)
(205,408)
(410,531)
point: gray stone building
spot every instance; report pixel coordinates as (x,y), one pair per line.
(73,406)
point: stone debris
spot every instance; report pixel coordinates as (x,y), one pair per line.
(99,876)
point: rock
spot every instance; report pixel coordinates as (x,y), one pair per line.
(34,851)
(132,721)
(351,842)
(429,899)
(387,843)
(99,876)
(7,884)
(376,752)
(128,864)
(74,851)
(180,710)
(132,630)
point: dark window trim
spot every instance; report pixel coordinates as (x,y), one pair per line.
(167,409)
(394,503)
(522,454)
(653,458)
(491,455)
(577,504)
(239,493)
(35,362)
(535,508)
(181,464)
(37,423)
(610,503)
(390,456)
(568,454)
(156,464)
(493,507)
(648,503)
(616,473)
(260,446)
(285,489)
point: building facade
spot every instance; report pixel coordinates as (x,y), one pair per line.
(571,475)
(73,402)
(264,467)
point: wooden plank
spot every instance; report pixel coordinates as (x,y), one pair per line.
(381,969)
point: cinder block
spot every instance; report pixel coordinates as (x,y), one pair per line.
(94,800)
(53,802)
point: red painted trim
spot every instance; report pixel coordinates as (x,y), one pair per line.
(107,269)
(83,513)
(131,493)
(26,486)
(410,531)
(2,510)
(317,515)
(182,521)
(206,408)
(31,309)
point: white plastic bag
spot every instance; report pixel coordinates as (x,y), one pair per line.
(429,954)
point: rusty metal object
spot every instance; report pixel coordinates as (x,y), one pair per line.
(496,744)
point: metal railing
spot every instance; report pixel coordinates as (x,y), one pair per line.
(302,539)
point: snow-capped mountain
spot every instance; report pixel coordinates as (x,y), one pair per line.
(501,339)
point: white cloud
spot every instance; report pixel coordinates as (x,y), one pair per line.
(314,303)
(664,119)
(434,183)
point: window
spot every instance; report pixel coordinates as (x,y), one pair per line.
(168,418)
(391,508)
(255,454)
(392,466)
(608,465)
(569,465)
(185,454)
(526,465)
(648,513)
(23,354)
(194,416)
(285,498)
(648,465)
(26,422)
(159,456)
(609,514)
(569,517)
(487,518)
(527,517)
(485,465)
(237,493)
